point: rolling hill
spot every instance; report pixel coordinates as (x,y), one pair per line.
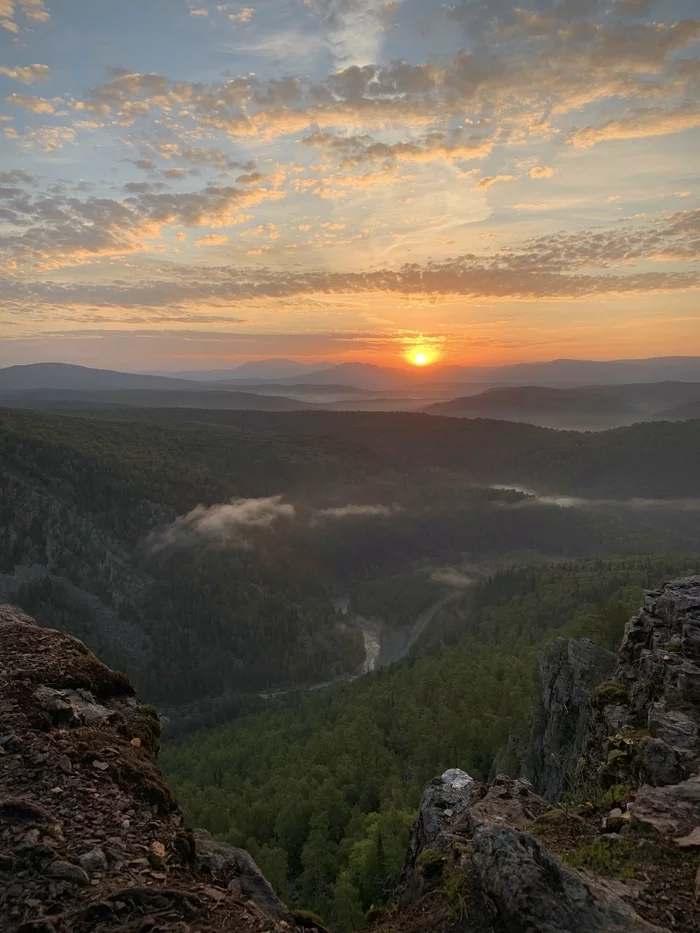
(68,376)
(154,398)
(592,407)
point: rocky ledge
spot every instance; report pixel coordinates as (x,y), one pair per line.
(620,849)
(91,840)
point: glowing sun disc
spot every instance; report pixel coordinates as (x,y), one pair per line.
(420,356)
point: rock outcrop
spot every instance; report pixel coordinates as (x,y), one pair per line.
(569,669)
(623,854)
(653,698)
(91,840)
(484,873)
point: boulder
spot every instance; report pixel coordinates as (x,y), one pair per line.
(670,810)
(535,891)
(659,763)
(243,875)
(444,799)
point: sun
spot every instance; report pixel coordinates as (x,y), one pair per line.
(420,356)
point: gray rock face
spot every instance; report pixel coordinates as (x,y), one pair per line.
(523,886)
(673,809)
(568,671)
(534,891)
(443,799)
(659,675)
(220,858)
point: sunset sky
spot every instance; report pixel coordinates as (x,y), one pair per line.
(188,185)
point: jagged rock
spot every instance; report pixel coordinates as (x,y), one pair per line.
(68,705)
(506,803)
(674,809)
(220,858)
(534,891)
(64,711)
(444,798)
(659,763)
(454,810)
(568,671)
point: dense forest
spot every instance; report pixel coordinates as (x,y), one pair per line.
(323,789)
(644,460)
(373,507)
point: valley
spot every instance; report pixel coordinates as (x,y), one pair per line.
(330,607)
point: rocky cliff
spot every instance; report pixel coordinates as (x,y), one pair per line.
(91,840)
(620,851)
(569,669)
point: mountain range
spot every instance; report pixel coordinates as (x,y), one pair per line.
(555,373)
(545,394)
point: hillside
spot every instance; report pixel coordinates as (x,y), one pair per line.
(328,784)
(592,407)
(80,498)
(67,376)
(691,410)
(156,398)
(545,406)
(92,838)
(161,535)
(654,460)
(467,856)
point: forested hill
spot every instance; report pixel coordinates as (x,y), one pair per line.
(354,501)
(645,460)
(324,790)
(79,499)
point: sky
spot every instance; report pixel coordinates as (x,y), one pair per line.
(187,185)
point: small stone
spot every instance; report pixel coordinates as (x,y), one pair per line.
(156,856)
(692,839)
(100,765)
(126,824)
(138,863)
(94,860)
(136,742)
(216,894)
(614,820)
(64,763)
(32,902)
(68,872)
(649,848)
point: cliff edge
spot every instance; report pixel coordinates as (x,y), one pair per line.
(616,846)
(91,840)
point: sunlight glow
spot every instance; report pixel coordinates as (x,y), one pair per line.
(421,356)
